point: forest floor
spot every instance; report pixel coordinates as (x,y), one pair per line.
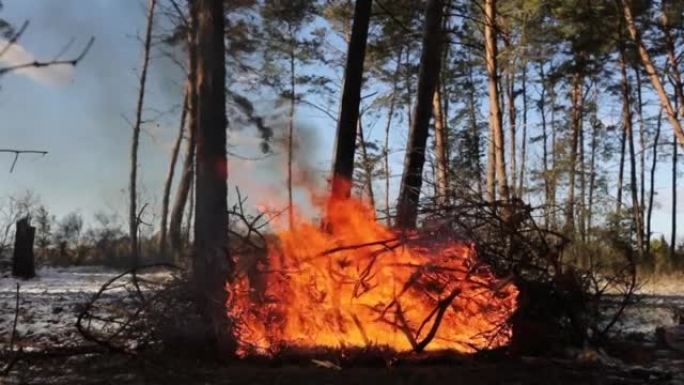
(49,304)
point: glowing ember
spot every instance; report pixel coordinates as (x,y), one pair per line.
(357,284)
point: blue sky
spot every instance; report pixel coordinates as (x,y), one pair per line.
(81,117)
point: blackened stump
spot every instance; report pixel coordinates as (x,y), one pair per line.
(23,265)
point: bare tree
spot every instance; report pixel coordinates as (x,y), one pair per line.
(133,215)
(169,177)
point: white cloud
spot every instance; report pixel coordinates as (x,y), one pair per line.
(17,55)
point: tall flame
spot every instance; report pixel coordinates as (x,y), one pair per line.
(357,283)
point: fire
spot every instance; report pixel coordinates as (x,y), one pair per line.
(356,283)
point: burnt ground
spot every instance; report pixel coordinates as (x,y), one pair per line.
(123,370)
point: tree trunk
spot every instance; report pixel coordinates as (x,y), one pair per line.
(367,165)
(290,133)
(673,229)
(495,123)
(441,145)
(430,64)
(653,74)
(621,171)
(545,151)
(523,149)
(212,265)
(512,124)
(576,98)
(188,170)
(553,174)
(592,165)
(23,261)
(133,220)
(629,133)
(169,177)
(642,158)
(583,187)
(343,167)
(388,125)
(651,193)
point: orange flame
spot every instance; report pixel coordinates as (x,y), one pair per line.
(357,283)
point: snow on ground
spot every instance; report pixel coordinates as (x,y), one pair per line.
(50,303)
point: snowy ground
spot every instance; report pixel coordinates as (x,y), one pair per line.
(50,303)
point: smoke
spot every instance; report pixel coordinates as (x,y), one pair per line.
(17,55)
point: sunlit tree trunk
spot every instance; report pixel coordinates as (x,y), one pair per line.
(653,74)
(495,123)
(133,215)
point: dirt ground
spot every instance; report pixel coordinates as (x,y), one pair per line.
(120,370)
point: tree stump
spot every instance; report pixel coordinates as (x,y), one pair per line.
(23,263)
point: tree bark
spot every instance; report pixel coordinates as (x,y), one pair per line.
(642,157)
(653,74)
(673,229)
(212,265)
(290,132)
(651,193)
(188,173)
(430,64)
(576,100)
(495,119)
(523,149)
(441,146)
(512,121)
(133,188)
(169,177)
(545,146)
(629,133)
(388,125)
(367,165)
(343,166)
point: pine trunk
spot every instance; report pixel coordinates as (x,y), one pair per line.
(441,145)
(653,74)
(212,265)
(495,120)
(430,64)
(343,167)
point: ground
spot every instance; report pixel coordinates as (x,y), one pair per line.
(49,304)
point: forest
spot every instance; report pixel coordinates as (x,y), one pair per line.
(342,191)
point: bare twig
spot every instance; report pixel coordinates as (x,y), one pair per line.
(19,152)
(40,64)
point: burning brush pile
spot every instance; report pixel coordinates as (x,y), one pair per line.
(356,283)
